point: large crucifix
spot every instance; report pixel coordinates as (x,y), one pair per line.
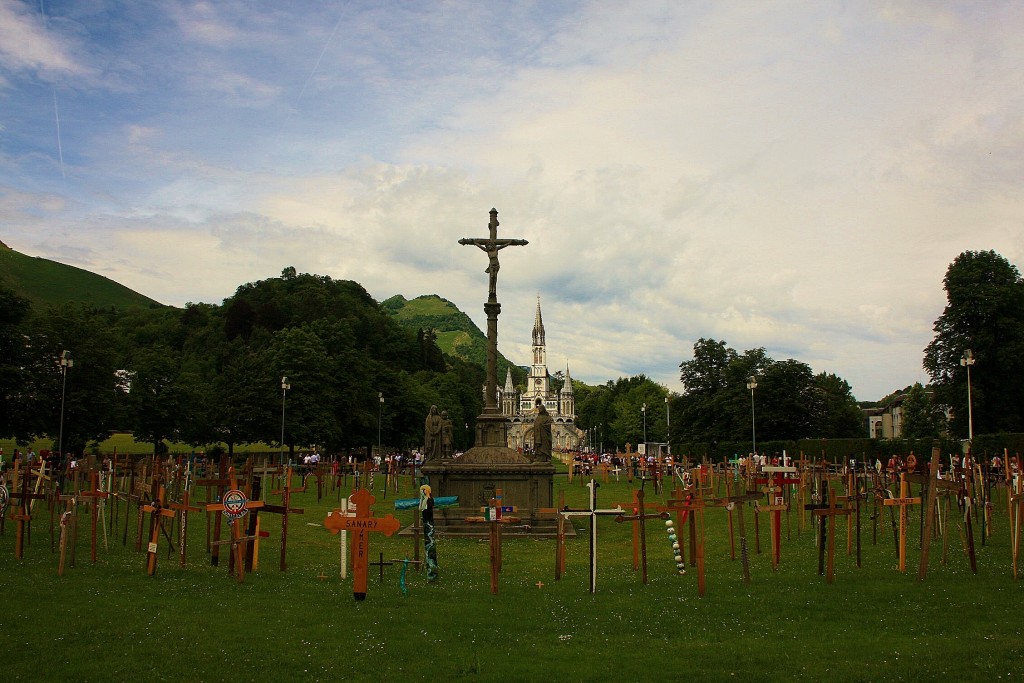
(491,245)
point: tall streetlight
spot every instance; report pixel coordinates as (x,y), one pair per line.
(285,386)
(643,410)
(668,426)
(752,384)
(967,360)
(65,363)
(380,414)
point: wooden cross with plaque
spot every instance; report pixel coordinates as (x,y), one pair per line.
(361,525)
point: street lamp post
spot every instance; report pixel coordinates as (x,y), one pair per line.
(668,426)
(643,410)
(967,360)
(285,386)
(65,363)
(380,414)
(752,384)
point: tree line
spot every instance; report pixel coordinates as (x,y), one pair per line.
(210,374)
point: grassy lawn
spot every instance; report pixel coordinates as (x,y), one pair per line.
(111,621)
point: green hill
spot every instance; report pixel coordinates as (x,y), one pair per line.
(457,335)
(48,283)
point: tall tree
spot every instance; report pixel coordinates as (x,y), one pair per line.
(922,419)
(984,313)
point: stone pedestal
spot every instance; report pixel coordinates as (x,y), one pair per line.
(479,473)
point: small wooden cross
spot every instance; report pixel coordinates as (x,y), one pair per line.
(495,515)
(903,501)
(158,510)
(284,510)
(830,511)
(737,503)
(639,518)
(235,505)
(95,495)
(361,525)
(23,515)
(184,507)
(690,507)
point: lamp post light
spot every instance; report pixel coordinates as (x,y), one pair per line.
(643,410)
(380,414)
(65,363)
(967,360)
(285,386)
(752,384)
(668,426)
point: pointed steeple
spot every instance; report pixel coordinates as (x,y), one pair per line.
(508,382)
(538,327)
(567,387)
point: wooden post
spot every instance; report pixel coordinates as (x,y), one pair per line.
(23,516)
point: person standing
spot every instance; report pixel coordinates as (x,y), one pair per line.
(427,519)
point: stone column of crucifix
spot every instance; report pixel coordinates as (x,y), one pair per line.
(491,245)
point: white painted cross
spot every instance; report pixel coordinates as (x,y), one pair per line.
(592,512)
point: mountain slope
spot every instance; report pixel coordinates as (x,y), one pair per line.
(48,283)
(457,335)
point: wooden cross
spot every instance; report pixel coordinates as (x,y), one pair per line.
(495,515)
(592,513)
(235,505)
(95,495)
(830,512)
(639,518)
(776,504)
(903,501)
(361,525)
(23,513)
(215,488)
(332,526)
(284,510)
(184,507)
(737,503)
(158,510)
(691,506)
(1016,501)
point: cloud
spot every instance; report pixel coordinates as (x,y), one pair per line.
(26,45)
(790,176)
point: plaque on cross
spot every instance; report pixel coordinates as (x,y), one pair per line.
(361,525)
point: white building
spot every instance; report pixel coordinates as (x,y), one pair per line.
(519,405)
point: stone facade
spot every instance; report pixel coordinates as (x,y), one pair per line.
(519,406)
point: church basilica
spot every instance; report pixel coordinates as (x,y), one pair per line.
(520,407)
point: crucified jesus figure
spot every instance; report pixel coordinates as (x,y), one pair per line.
(491,246)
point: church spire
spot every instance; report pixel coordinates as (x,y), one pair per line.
(567,387)
(538,327)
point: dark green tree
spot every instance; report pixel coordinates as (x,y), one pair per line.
(922,419)
(984,313)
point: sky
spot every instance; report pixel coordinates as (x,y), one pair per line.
(795,176)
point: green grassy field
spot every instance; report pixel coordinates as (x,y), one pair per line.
(110,621)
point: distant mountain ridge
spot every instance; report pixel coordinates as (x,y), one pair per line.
(457,334)
(49,283)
